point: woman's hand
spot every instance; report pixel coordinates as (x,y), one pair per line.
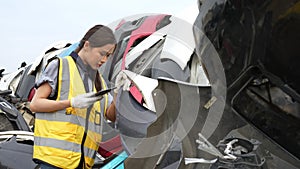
(85,100)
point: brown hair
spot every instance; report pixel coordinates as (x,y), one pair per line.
(98,35)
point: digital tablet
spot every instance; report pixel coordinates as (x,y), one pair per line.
(102,92)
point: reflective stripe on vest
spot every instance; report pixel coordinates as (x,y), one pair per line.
(58,135)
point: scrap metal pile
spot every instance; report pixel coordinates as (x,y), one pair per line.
(221,92)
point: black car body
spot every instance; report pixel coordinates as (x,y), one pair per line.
(16,137)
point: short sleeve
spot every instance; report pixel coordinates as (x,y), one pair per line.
(49,76)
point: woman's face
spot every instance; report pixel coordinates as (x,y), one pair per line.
(96,56)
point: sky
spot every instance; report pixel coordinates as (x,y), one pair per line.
(28,27)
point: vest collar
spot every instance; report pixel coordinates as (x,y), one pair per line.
(86,69)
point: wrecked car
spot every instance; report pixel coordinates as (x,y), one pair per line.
(248,114)
(16,137)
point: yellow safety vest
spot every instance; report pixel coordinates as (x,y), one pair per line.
(58,136)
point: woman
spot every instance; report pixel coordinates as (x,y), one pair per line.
(67,124)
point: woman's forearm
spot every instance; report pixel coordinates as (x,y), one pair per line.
(46,105)
(111,112)
(41,103)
